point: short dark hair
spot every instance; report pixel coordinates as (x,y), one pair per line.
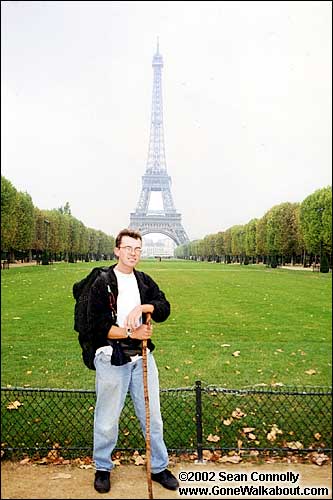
(127,232)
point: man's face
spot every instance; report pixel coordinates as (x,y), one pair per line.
(129,251)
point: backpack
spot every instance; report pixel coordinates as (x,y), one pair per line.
(81,293)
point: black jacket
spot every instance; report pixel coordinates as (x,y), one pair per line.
(102,306)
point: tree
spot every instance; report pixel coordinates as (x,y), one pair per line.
(227,245)
(74,238)
(261,236)
(38,240)
(24,214)
(84,241)
(193,249)
(93,243)
(57,232)
(238,241)
(251,238)
(324,266)
(8,215)
(219,245)
(282,230)
(66,210)
(316,221)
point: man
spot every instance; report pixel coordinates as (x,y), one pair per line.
(117,307)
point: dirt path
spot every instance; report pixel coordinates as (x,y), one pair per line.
(129,481)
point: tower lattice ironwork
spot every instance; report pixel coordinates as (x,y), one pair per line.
(156,178)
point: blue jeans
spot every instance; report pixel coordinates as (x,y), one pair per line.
(112,385)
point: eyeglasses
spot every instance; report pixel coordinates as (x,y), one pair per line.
(136,250)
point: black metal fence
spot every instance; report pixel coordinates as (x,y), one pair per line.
(195,419)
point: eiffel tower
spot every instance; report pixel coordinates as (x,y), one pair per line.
(166,221)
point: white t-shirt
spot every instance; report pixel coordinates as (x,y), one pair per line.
(128,296)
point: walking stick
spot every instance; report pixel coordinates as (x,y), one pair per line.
(146,395)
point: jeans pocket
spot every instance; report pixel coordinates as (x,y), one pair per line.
(103,356)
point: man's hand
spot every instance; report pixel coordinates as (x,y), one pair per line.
(143,332)
(133,319)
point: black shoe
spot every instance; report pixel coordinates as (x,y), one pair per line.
(102,481)
(166,479)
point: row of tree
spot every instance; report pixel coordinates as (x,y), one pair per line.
(287,233)
(28,232)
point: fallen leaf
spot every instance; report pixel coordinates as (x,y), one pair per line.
(317,435)
(271,436)
(139,460)
(254,453)
(61,475)
(311,372)
(236,353)
(14,405)
(319,458)
(25,461)
(238,413)
(248,429)
(228,421)
(214,438)
(207,455)
(216,455)
(234,459)
(295,445)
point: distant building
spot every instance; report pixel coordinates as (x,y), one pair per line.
(161,248)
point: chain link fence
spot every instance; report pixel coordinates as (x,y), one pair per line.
(195,418)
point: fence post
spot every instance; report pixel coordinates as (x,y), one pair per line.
(198,419)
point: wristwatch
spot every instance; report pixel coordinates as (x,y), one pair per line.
(129,333)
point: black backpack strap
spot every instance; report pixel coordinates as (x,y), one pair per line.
(112,297)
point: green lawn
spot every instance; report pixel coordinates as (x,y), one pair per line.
(230,325)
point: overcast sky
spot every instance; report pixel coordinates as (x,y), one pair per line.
(246,93)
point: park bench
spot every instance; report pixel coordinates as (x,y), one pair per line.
(5,264)
(315,267)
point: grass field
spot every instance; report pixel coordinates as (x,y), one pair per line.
(230,325)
